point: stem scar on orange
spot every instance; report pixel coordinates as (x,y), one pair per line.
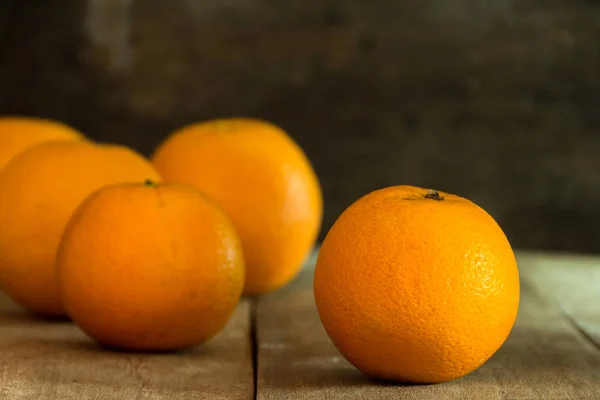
(149,266)
(416,285)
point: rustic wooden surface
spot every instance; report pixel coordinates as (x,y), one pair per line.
(574,284)
(54,360)
(553,353)
(546,356)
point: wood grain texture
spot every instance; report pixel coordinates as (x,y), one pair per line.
(573,282)
(545,357)
(54,360)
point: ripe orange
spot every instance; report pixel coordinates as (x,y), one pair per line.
(20,133)
(39,190)
(150,267)
(263,181)
(415,285)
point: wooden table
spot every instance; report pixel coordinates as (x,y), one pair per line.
(276,348)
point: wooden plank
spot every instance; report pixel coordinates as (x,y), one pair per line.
(54,360)
(573,281)
(545,357)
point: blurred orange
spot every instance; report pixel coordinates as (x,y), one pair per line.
(19,133)
(263,181)
(39,190)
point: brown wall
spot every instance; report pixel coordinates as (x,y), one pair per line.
(495,100)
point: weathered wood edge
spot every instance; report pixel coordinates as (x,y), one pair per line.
(570,281)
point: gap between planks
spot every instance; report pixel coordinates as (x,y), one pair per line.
(276,348)
(253,345)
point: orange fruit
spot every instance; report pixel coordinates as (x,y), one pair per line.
(416,285)
(150,267)
(39,190)
(263,181)
(20,133)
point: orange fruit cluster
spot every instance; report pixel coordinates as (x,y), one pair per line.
(152,254)
(411,284)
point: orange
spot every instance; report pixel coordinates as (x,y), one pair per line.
(263,181)
(416,285)
(39,190)
(150,267)
(20,133)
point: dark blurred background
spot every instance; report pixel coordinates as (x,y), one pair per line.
(495,100)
